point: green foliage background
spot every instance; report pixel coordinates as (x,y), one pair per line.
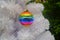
(52,13)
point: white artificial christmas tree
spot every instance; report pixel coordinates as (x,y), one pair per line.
(11,29)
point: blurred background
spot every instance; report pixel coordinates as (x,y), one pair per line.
(52,13)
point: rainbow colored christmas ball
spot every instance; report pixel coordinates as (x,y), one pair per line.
(26,18)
